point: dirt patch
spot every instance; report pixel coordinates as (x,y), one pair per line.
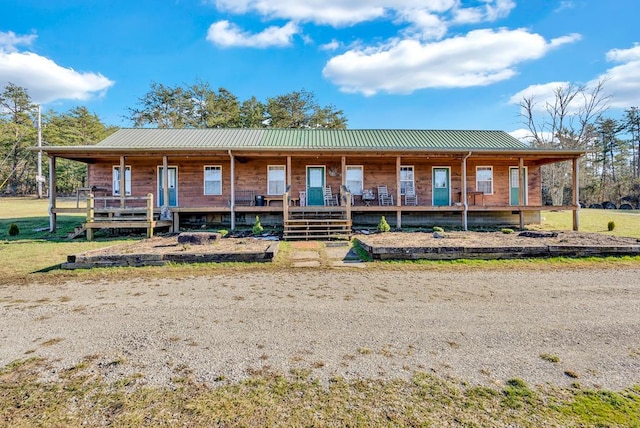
(170,245)
(492,239)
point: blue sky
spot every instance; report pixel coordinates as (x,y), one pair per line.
(414,64)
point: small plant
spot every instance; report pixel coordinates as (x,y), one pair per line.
(257,227)
(572,374)
(223,232)
(383,226)
(507,231)
(438,229)
(611,225)
(550,357)
(14,230)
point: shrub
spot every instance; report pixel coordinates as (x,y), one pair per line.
(507,231)
(383,226)
(223,232)
(257,227)
(14,230)
(611,225)
(438,229)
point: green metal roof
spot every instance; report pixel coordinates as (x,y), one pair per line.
(310,139)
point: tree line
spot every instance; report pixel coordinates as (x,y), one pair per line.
(18,134)
(576,118)
(200,106)
(186,106)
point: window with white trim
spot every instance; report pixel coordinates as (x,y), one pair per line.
(355,179)
(116,180)
(484,179)
(406,179)
(275,179)
(213,180)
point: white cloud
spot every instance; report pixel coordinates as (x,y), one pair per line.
(331,46)
(9,41)
(45,80)
(542,94)
(342,13)
(623,81)
(491,11)
(338,13)
(226,34)
(481,57)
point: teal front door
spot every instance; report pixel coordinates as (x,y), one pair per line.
(315,185)
(173,186)
(441,187)
(514,186)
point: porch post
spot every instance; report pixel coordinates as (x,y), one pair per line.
(232,203)
(576,193)
(123,181)
(521,190)
(165,183)
(288,173)
(398,194)
(463,194)
(53,217)
(343,170)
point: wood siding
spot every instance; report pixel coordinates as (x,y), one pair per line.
(251,174)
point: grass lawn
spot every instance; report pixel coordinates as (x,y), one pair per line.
(627,223)
(81,398)
(35,251)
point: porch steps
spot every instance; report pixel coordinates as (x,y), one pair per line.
(77,232)
(317,228)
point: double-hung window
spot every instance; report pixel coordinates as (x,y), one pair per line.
(406,179)
(213,180)
(484,179)
(116,180)
(275,179)
(355,179)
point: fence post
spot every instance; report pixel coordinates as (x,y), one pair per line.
(150,220)
(285,206)
(90,216)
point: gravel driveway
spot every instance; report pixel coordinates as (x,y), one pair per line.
(478,326)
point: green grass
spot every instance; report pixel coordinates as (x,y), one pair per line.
(25,257)
(592,220)
(81,397)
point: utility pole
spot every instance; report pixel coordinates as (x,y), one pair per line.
(39,177)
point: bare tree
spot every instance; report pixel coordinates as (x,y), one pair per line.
(566,122)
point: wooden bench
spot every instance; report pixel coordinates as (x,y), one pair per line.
(245,197)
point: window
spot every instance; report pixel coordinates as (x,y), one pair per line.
(213,180)
(275,179)
(484,179)
(406,179)
(354,179)
(116,180)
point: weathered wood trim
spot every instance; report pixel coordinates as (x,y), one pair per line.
(575,184)
(53,217)
(122,177)
(399,191)
(165,182)
(523,187)
(232,203)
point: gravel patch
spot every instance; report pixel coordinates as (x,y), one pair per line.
(478,326)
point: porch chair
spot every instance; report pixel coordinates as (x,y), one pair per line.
(330,200)
(384,197)
(410,197)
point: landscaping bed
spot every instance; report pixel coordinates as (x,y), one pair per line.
(158,251)
(494,245)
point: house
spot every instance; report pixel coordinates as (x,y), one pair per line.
(302,178)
